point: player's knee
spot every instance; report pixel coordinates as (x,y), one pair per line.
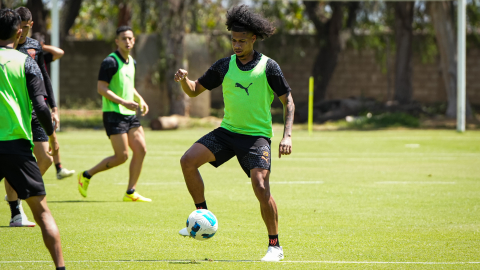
(184,161)
(262,192)
(142,151)
(260,189)
(44,161)
(121,157)
(187,161)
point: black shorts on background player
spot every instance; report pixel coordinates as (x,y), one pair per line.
(38,133)
(116,123)
(251,151)
(23,175)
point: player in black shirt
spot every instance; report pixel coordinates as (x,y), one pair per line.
(17,163)
(52,53)
(33,48)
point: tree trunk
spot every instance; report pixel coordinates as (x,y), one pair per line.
(143,15)
(124,13)
(443,25)
(172,32)
(403,60)
(71,9)
(328,38)
(39,15)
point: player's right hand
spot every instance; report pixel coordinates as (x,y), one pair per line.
(181,75)
(131,105)
(54,146)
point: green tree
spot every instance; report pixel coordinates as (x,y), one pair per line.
(173,28)
(329,19)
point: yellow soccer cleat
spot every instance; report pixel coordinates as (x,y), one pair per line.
(135,197)
(83,184)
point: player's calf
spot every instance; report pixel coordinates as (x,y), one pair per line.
(50,232)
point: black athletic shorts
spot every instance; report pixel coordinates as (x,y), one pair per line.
(38,133)
(116,123)
(23,175)
(251,151)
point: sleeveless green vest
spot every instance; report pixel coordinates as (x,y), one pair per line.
(122,84)
(248,99)
(15,104)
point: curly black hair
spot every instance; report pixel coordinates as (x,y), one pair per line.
(241,17)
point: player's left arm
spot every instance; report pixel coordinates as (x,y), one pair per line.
(279,85)
(141,102)
(285,147)
(55,51)
(49,89)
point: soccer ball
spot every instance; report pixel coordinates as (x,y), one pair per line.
(202,224)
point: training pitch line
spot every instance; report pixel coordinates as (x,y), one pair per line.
(243,261)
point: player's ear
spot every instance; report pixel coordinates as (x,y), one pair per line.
(19,33)
(254,38)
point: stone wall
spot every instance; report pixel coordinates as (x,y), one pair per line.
(358,73)
(79,72)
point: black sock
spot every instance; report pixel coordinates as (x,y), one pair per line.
(58,166)
(130,191)
(14,208)
(60,268)
(273,240)
(86,175)
(202,205)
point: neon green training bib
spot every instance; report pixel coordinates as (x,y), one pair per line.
(15,104)
(122,84)
(248,99)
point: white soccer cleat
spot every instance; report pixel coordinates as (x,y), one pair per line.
(184,232)
(21,219)
(64,173)
(274,254)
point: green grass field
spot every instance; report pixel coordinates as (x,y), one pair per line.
(393,199)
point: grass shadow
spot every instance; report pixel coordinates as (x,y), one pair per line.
(82,201)
(186,261)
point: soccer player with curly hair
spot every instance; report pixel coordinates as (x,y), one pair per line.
(249,80)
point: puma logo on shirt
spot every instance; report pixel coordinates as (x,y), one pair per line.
(241,86)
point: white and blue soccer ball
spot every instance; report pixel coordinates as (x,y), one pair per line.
(202,224)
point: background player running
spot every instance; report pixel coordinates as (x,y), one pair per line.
(21,87)
(246,128)
(116,83)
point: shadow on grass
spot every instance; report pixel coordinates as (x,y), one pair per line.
(187,261)
(83,201)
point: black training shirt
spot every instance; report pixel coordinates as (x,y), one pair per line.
(33,48)
(216,73)
(109,67)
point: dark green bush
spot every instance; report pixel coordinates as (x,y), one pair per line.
(385,120)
